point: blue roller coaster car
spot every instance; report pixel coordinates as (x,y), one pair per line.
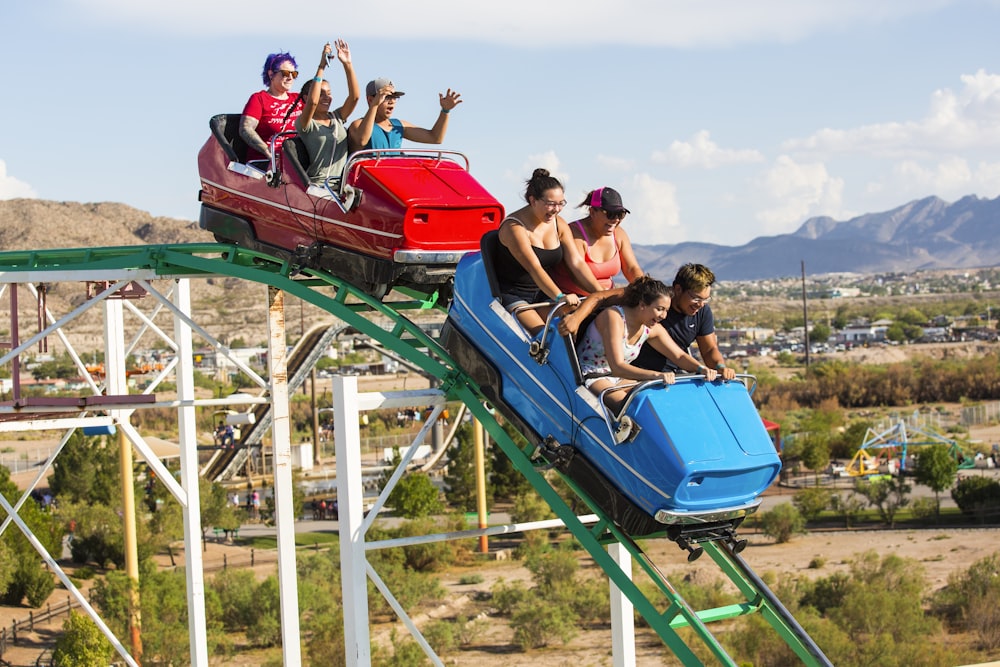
(688,460)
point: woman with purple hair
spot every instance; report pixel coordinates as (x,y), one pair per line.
(266,112)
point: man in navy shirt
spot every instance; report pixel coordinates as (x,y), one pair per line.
(689,320)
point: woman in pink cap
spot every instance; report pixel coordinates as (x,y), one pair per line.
(604,245)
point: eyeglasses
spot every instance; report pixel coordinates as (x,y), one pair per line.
(614,215)
(552,204)
(287,72)
(698,300)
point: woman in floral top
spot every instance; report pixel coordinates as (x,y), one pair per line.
(613,339)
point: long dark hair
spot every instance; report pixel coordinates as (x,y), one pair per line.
(644,289)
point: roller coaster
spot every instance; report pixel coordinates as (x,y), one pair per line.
(685,462)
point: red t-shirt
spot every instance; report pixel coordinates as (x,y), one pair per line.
(270,114)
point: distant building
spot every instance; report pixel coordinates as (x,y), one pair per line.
(863,333)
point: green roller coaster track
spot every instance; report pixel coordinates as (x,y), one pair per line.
(666,613)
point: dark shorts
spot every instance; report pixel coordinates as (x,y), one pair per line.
(514,297)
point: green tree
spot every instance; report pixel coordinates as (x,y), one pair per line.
(849,507)
(460,487)
(888,496)
(936,468)
(414,495)
(896,333)
(782,522)
(844,443)
(24,571)
(977,497)
(87,470)
(81,644)
(506,480)
(815,453)
(819,333)
(812,502)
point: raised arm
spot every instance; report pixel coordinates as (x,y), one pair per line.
(360,131)
(435,135)
(309,103)
(353,89)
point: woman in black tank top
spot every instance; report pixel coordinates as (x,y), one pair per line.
(533,240)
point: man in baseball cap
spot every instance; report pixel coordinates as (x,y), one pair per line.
(379,130)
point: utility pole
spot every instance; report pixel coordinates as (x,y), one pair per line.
(805,315)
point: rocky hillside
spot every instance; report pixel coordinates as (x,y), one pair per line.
(226,307)
(27,224)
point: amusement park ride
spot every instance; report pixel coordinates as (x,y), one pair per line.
(890,451)
(685,462)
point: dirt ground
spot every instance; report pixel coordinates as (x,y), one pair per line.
(937,554)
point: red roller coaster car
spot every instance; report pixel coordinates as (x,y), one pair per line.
(395,218)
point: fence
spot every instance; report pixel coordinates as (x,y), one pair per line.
(25,461)
(918,419)
(980,414)
(9,636)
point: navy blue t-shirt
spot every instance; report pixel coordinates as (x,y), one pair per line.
(684,329)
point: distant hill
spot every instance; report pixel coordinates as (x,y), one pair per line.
(925,234)
(31,224)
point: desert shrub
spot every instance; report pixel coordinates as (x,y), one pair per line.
(849,507)
(442,636)
(971,601)
(924,508)
(540,621)
(977,497)
(811,502)
(506,597)
(782,522)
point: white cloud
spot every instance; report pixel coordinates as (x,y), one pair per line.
(796,192)
(701,151)
(521,22)
(965,120)
(12,188)
(950,178)
(656,217)
(613,163)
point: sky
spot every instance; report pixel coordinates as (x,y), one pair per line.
(719,121)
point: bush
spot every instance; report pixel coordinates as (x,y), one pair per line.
(81,644)
(507,597)
(540,622)
(812,502)
(977,497)
(782,522)
(924,508)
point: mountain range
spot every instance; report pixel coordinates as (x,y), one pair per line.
(928,233)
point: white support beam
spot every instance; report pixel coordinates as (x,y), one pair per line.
(281,447)
(188,438)
(350,501)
